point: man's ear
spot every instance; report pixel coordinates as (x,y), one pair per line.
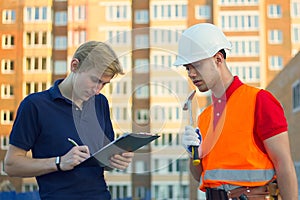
(219,58)
(74,64)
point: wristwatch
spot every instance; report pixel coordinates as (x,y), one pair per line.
(57,162)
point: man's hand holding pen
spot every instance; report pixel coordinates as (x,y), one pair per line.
(75,156)
(79,154)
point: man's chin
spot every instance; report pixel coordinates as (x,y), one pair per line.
(203,89)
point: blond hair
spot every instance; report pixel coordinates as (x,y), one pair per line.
(99,55)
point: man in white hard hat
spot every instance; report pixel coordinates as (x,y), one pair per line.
(245,152)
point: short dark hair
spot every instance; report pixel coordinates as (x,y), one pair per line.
(222,51)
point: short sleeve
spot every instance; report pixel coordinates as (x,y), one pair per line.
(270,119)
(25,128)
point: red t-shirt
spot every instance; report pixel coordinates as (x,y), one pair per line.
(269,114)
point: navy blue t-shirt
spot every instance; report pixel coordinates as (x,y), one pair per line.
(43,124)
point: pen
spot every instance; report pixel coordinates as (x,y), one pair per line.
(73,142)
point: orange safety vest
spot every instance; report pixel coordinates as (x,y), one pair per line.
(230,156)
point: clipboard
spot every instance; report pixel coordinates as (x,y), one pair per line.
(128,142)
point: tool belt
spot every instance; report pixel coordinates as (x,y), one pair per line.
(266,192)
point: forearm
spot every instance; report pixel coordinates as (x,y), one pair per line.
(195,170)
(23,166)
(279,151)
(287,181)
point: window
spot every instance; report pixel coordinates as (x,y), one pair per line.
(4,142)
(119,191)
(7,117)
(170,191)
(185,191)
(275,36)
(155,165)
(142,92)
(34,39)
(140,166)
(202,12)
(8,41)
(168,11)
(79,13)
(163,139)
(238,2)
(140,192)
(36,64)
(36,14)
(296,96)
(142,116)
(7,91)
(28,14)
(170,114)
(7,66)
(248,72)
(125,114)
(116,113)
(125,61)
(162,61)
(60,67)
(31,87)
(156,191)
(2,172)
(29,187)
(157,113)
(141,17)
(296,33)
(119,113)
(61,18)
(275,62)
(141,41)
(170,165)
(60,43)
(177,113)
(118,12)
(240,21)
(182,165)
(274,11)
(141,65)
(163,36)
(295,8)
(245,46)
(117,37)
(79,37)
(8,16)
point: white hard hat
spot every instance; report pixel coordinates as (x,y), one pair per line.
(199,42)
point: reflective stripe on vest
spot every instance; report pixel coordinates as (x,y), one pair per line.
(258,175)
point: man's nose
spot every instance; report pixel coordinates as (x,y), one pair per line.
(192,72)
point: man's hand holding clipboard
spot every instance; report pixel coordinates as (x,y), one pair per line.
(129,142)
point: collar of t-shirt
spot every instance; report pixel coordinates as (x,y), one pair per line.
(219,103)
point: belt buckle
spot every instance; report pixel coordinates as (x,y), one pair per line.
(229,194)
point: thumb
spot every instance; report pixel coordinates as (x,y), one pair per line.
(199,134)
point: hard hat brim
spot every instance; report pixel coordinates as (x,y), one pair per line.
(180,62)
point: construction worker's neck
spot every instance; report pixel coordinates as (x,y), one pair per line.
(222,85)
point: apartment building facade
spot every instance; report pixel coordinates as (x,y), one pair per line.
(38,39)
